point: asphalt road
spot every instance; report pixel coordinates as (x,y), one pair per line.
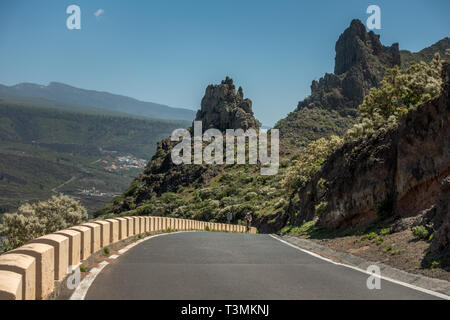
(231,266)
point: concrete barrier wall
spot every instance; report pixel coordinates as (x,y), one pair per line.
(123,228)
(85,233)
(113,230)
(25,266)
(105,231)
(44,256)
(74,246)
(30,272)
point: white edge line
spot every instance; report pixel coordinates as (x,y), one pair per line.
(81,291)
(411,286)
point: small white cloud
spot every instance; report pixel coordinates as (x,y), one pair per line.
(99,12)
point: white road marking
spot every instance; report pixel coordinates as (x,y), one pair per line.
(82,289)
(114,256)
(411,286)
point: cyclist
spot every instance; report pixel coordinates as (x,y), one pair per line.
(248,218)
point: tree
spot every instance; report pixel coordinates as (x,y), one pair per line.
(38,219)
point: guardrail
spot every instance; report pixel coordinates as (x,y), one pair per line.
(30,272)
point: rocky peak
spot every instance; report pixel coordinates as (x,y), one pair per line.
(361,61)
(356,47)
(223,108)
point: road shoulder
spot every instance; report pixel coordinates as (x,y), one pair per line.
(387,272)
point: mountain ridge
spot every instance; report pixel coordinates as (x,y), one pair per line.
(63,93)
(332,106)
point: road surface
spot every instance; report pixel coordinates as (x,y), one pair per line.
(231,266)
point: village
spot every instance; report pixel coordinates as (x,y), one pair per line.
(123,163)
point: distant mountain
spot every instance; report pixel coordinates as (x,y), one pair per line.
(425,54)
(62,93)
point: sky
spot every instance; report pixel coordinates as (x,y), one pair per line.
(168,51)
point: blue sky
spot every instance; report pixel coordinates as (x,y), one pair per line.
(168,51)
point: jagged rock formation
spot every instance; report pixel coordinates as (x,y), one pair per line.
(360,63)
(394,173)
(332,107)
(359,49)
(223,108)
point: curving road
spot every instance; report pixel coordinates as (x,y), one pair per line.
(230,266)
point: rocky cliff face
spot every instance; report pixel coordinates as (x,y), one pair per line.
(359,49)
(223,108)
(395,173)
(441,219)
(331,108)
(360,63)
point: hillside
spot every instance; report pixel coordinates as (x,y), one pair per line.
(46,151)
(386,197)
(371,190)
(426,54)
(80,98)
(206,192)
(210,191)
(332,107)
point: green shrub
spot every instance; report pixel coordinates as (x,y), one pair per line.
(320,208)
(310,162)
(34,220)
(395,251)
(399,92)
(280,203)
(420,232)
(83,268)
(385,231)
(369,237)
(435,264)
(250,196)
(106,251)
(379,241)
(304,230)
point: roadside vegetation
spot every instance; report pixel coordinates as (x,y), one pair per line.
(34,220)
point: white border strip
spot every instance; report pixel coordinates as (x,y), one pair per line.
(411,286)
(81,291)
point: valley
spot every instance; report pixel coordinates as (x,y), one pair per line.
(46,151)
